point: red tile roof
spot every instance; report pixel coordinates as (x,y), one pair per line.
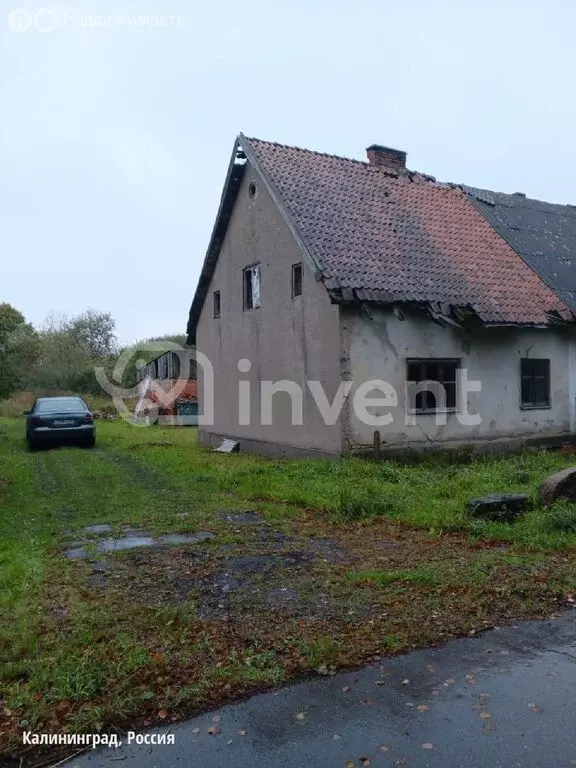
(377,234)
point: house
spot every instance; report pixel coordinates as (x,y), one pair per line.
(168,383)
(345,303)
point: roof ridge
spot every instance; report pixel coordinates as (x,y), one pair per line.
(307,151)
(466,188)
(389,171)
(517,196)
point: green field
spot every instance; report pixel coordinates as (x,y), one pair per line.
(342,563)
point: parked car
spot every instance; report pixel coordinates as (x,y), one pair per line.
(59,420)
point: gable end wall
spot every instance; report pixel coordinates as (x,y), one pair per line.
(286,338)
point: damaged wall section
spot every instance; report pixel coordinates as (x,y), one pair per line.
(379,348)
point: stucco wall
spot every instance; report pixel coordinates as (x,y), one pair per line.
(377,348)
(286,338)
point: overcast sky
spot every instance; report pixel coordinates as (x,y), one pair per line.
(114,140)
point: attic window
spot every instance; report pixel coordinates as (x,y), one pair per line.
(216,303)
(252,190)
(251,279)
(296,280)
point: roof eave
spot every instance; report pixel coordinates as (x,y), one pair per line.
(447,313)
(234,177)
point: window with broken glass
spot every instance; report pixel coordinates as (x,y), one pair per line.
(252,287)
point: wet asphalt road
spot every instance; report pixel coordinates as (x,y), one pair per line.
(504,698)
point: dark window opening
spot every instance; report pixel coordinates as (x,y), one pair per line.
(175,365)
(296,280)
(428,380)
(216,303)
(535,383)
(252,287)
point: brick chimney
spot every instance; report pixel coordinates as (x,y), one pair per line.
(385,157)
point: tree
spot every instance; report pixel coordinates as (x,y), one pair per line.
(18,349)
(70,348)
(61,362)
(10,321)
(95,332)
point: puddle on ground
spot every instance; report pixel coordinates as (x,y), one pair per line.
(135,540)
(128,542)
(101,528)
(174,539)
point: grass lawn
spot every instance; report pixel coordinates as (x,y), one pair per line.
(311,565)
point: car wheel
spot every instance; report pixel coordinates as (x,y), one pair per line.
(91,442)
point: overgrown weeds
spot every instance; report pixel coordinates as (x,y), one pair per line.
(558,518)
(72,657)
(356,504)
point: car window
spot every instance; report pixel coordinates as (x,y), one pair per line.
(60,405)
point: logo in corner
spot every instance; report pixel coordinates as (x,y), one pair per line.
(45,20)
(20,20)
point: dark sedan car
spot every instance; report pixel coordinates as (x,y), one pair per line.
(60,420)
